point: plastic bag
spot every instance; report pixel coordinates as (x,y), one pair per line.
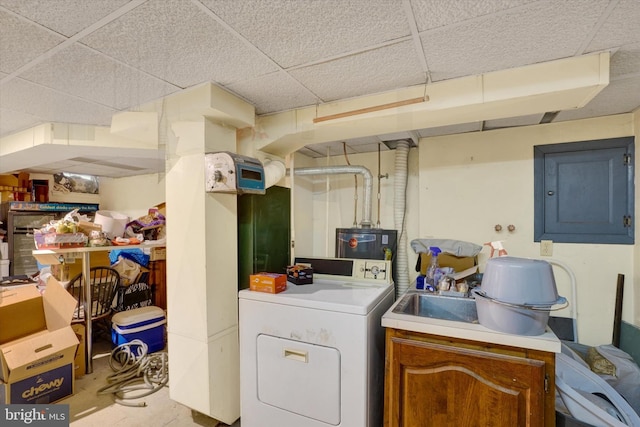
(626,380)
(128,270)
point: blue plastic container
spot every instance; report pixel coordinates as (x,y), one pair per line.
(146,324)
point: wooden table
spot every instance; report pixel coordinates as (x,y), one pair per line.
(56,256)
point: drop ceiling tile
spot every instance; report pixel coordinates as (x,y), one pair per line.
(431,14)
(15,121)
(64,16)
(626,61)
(89,75)
(621,27)
(620,96)
(533,33)
(365,148)
(21,42)
(49,105)
(273,92)
(450,130)
(309,152)
(378,70)
(178,42)
(298,32)
(532,119)
(334,148)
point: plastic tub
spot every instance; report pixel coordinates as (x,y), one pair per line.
(520,281)
(113,223)
(510,318)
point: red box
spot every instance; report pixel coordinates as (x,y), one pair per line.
(268,282)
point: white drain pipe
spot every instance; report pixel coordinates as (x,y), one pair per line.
(350,169)
(399,208)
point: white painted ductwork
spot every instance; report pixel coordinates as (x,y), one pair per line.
(534,89)
(335,170)
(274,171)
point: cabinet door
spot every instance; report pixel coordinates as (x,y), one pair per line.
(435,385)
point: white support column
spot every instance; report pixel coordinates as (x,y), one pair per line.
(202,276)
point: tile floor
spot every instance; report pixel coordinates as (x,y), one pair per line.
(88,409)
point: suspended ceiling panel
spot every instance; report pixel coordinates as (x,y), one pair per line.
(81,61)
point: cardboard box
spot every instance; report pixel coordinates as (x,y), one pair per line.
(268,282)
(87,227)
(158,253)
(447,260)
(300,274)
(71,267)
(79,362)
(52,346)
(44,388)
(14,303)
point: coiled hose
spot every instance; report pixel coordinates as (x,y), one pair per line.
(136,373)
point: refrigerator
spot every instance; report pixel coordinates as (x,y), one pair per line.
(20,227)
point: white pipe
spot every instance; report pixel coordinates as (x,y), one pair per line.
(573,310)
(350,169)
(399,208)
(292,242)
(274,171)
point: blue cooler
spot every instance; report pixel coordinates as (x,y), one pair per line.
(146,324)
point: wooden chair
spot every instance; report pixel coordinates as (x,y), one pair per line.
(104,283)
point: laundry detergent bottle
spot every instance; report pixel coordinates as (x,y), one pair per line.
(433,272)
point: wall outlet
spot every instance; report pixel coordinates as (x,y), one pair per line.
(546,247)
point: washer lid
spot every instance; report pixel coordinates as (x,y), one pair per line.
(355,297)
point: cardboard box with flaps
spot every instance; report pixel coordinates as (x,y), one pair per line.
(38,343)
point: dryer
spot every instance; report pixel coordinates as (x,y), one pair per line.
(313,355)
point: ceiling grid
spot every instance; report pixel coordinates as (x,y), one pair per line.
(82,61)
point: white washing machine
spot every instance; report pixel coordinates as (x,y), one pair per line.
(313,355)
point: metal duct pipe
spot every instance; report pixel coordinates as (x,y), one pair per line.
(350,169)
(399,208)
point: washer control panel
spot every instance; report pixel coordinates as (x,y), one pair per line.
(350,269)
(372,270)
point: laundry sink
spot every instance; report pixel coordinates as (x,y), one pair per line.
(425,304)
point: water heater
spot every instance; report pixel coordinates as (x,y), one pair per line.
(366,243)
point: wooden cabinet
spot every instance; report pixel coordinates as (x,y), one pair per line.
(439,381)
(158,282)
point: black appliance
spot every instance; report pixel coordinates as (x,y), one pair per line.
(25,217)
(367,243)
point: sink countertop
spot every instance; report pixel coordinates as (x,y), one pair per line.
(469,331)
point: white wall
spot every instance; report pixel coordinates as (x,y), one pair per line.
(333,200)
(461,186)
(132,196)
(471,182)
